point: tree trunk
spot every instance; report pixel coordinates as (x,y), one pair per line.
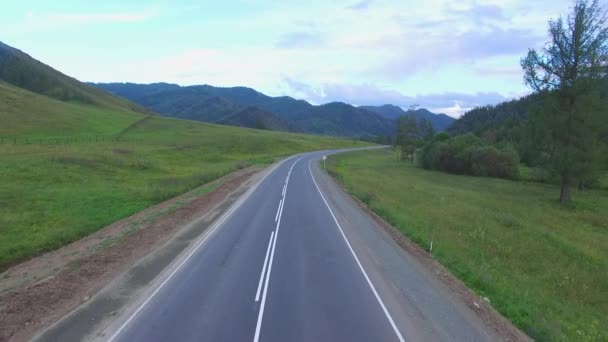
(564,196)
(581,185)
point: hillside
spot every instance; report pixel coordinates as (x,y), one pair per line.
(440,122)
(255,118)
(21,70)
(498,122)
(24,113)
(213,104)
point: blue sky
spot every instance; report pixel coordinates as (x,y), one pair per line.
(444,55)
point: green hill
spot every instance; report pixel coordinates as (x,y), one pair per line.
(21,70)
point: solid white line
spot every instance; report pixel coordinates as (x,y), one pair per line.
(257,294)
(284,189)
(388,315)
(276,217)
(258,325)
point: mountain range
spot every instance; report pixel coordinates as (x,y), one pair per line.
(247,107)
(440,122)
(237,106)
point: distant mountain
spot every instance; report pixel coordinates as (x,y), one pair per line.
(256,118)
(342,119)
(199,103)
(20,70)
(247,107)
(440,122)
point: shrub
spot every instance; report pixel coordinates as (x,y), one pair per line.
(488,161)
(466,154)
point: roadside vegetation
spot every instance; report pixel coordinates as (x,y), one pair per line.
(59,187)
(543,266)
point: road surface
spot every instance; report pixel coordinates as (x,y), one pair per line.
(297,260)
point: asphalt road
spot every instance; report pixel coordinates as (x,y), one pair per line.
(297,260)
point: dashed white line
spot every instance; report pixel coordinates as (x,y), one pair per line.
(369,282)
(257,294)
(258,326)
(276,217)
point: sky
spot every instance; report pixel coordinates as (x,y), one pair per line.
(448,56)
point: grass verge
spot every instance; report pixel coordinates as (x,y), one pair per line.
(543,266)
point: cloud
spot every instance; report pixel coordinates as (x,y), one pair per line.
(299,40)
(66,19)
(361,5)
(500,71)
(480,14)
(451,103)
(411,56)
(496,42)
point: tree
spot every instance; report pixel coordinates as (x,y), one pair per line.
(567,72)
(425,127)
(407,136)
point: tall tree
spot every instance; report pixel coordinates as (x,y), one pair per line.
(426,130)
(407,136)
(567,71)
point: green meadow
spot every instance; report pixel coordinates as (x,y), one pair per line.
(543,266)
(67,183)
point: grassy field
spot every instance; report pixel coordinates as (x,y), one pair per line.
(52,194)
(543,266)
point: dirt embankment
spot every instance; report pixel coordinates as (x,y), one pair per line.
(39,292)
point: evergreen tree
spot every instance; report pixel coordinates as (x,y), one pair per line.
(567,72)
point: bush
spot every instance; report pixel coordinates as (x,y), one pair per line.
(487,161)
(466,154)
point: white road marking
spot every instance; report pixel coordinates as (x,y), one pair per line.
(276,217)
(258,325)
(282,205)
(191,253)
(257,294)
(170,276)
(369,282)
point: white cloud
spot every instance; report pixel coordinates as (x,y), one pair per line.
(46,20)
